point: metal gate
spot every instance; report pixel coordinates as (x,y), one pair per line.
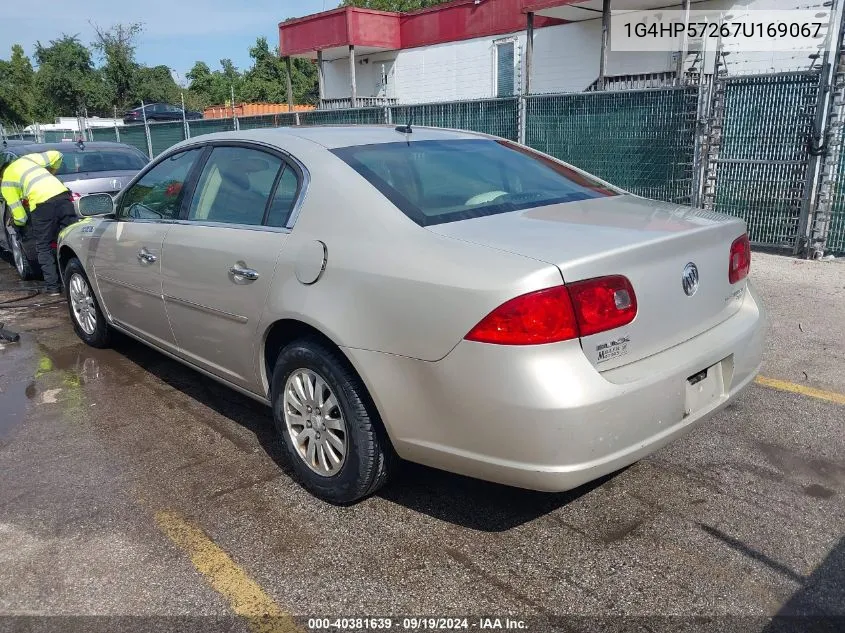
(758,159)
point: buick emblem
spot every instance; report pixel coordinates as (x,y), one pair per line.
(689,279)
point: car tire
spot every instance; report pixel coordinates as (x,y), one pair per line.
(23,258)
(368,458)
(87,318)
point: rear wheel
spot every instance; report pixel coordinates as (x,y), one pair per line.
(329,427)
(88,321)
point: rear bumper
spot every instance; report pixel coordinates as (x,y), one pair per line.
(542,417)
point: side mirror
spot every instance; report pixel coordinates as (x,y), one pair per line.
(95,204)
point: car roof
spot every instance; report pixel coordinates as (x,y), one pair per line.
(335,136)
(71,146)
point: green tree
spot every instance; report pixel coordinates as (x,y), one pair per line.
(153,85)
(66,80)
(116,47)
(207,87)
(17,85)
(392,5)
(267,79)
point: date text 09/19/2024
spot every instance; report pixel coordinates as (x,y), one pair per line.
(416,624)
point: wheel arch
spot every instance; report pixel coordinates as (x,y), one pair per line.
(284,331)
(66,253)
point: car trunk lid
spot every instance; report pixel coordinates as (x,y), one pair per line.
(85,183)
(649,242)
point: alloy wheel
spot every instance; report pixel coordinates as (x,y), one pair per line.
(82,303)
(315,422)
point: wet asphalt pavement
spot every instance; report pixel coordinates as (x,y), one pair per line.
(745,516)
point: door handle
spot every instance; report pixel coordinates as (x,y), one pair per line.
(146,256)
(244,273)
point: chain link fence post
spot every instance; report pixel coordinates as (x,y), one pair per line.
(827,152)
(147,131)
(116,127)
(522,111)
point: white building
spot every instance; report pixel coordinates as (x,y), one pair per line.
(469,49)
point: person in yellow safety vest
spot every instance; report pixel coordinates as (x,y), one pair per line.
(51,160)
(33,194)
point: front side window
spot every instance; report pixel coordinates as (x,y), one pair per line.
(235,186)
(433,182)
(158,194)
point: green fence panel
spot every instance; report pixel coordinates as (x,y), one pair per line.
(642,141)
(761,166)
(357,116)
(166,135)
(282,119)
(836,228)
(56,136)
(135,136)
(210,126)
(104,134)
(499,117)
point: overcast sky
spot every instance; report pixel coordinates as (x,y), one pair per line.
(176,32)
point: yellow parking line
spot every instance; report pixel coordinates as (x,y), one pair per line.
(804,390)
(226,577)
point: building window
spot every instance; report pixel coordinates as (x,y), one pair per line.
(505,69)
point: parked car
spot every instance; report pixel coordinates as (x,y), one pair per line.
(95,167)
(159,112)
(450,298)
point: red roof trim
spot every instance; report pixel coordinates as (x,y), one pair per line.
(312,16)
(530,6)
(454,21)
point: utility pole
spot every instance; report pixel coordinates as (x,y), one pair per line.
(234,116)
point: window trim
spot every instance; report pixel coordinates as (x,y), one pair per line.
(299,168)
(513,41)
(287,161)
(302,179)
(209,149)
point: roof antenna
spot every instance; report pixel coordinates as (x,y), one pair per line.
(406,129)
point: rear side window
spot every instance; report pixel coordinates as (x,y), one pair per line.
(283,199)
(235,186)
(95,160)
(434,182)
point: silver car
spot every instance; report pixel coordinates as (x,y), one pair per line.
(445,297)
(95,167)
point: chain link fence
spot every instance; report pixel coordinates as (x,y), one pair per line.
(748,154)
(758,166)
(642,140)
(499,117)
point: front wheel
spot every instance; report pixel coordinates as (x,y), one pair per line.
(328,425)
(88,321)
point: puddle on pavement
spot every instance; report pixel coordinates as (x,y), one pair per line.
(82,364)
(16,385)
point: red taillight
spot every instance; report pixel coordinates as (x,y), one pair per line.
(75,196)
(560,313)
(544,316)
(740,262)
(604,303)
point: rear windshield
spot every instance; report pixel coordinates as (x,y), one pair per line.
(74,162)
(434,182)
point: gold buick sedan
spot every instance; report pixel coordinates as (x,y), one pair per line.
(448,298)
